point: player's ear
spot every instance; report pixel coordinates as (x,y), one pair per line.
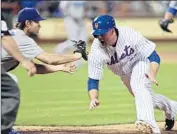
(27,23)
(112,31)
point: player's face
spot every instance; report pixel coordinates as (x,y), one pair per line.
(106,39)
(34,27)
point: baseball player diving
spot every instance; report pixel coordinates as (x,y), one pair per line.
(134,59)
(169,15)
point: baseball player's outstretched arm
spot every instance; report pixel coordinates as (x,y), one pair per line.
(93,93)
(154,67)
(45,68)
(11,47)
(95,71)
(56,59)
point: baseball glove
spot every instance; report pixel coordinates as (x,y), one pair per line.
(81,48)
(164,24)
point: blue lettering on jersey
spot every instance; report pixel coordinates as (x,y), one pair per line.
(127,52)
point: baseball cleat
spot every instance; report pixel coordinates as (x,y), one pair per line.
(146,128)
(169,124)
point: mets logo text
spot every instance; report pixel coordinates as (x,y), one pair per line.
(96,25)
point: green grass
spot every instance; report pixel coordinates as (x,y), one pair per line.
(62,99)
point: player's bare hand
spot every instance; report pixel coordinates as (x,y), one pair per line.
(152,79)
(78,55)
(93,104)
(30,67)
(68,68)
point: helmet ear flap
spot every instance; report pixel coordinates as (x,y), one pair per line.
(112,31)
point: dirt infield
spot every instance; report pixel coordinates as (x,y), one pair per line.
(108,129)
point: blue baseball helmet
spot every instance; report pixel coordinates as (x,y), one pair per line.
(29,14)
(102,24)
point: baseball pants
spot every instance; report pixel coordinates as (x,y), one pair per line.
(10,100)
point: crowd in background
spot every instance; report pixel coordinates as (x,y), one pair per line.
(50,9)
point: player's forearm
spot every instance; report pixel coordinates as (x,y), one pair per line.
(45,68)
(56,59)
(154,67)
(154,59)
(93,94)
(11,47)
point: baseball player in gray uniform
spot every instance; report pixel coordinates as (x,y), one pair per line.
(10,94)
(28,24)
(74,21)
(169,15)
(131,56)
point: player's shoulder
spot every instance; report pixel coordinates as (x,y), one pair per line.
(126,29)
(21,37)
(95,46)
(127,32)
(18,32)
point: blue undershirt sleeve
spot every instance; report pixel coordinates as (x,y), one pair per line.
(154,57)
(93,84)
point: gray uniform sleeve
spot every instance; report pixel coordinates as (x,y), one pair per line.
(28,47)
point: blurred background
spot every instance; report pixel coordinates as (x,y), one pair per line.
(141,15)
(61,99)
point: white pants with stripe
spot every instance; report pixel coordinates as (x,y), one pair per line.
(145,99)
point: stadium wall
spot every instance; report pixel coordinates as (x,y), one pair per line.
(53,30)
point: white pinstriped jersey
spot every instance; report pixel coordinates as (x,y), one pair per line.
(173,4)
(131,47)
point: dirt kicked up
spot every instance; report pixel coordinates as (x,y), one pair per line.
(108,129)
